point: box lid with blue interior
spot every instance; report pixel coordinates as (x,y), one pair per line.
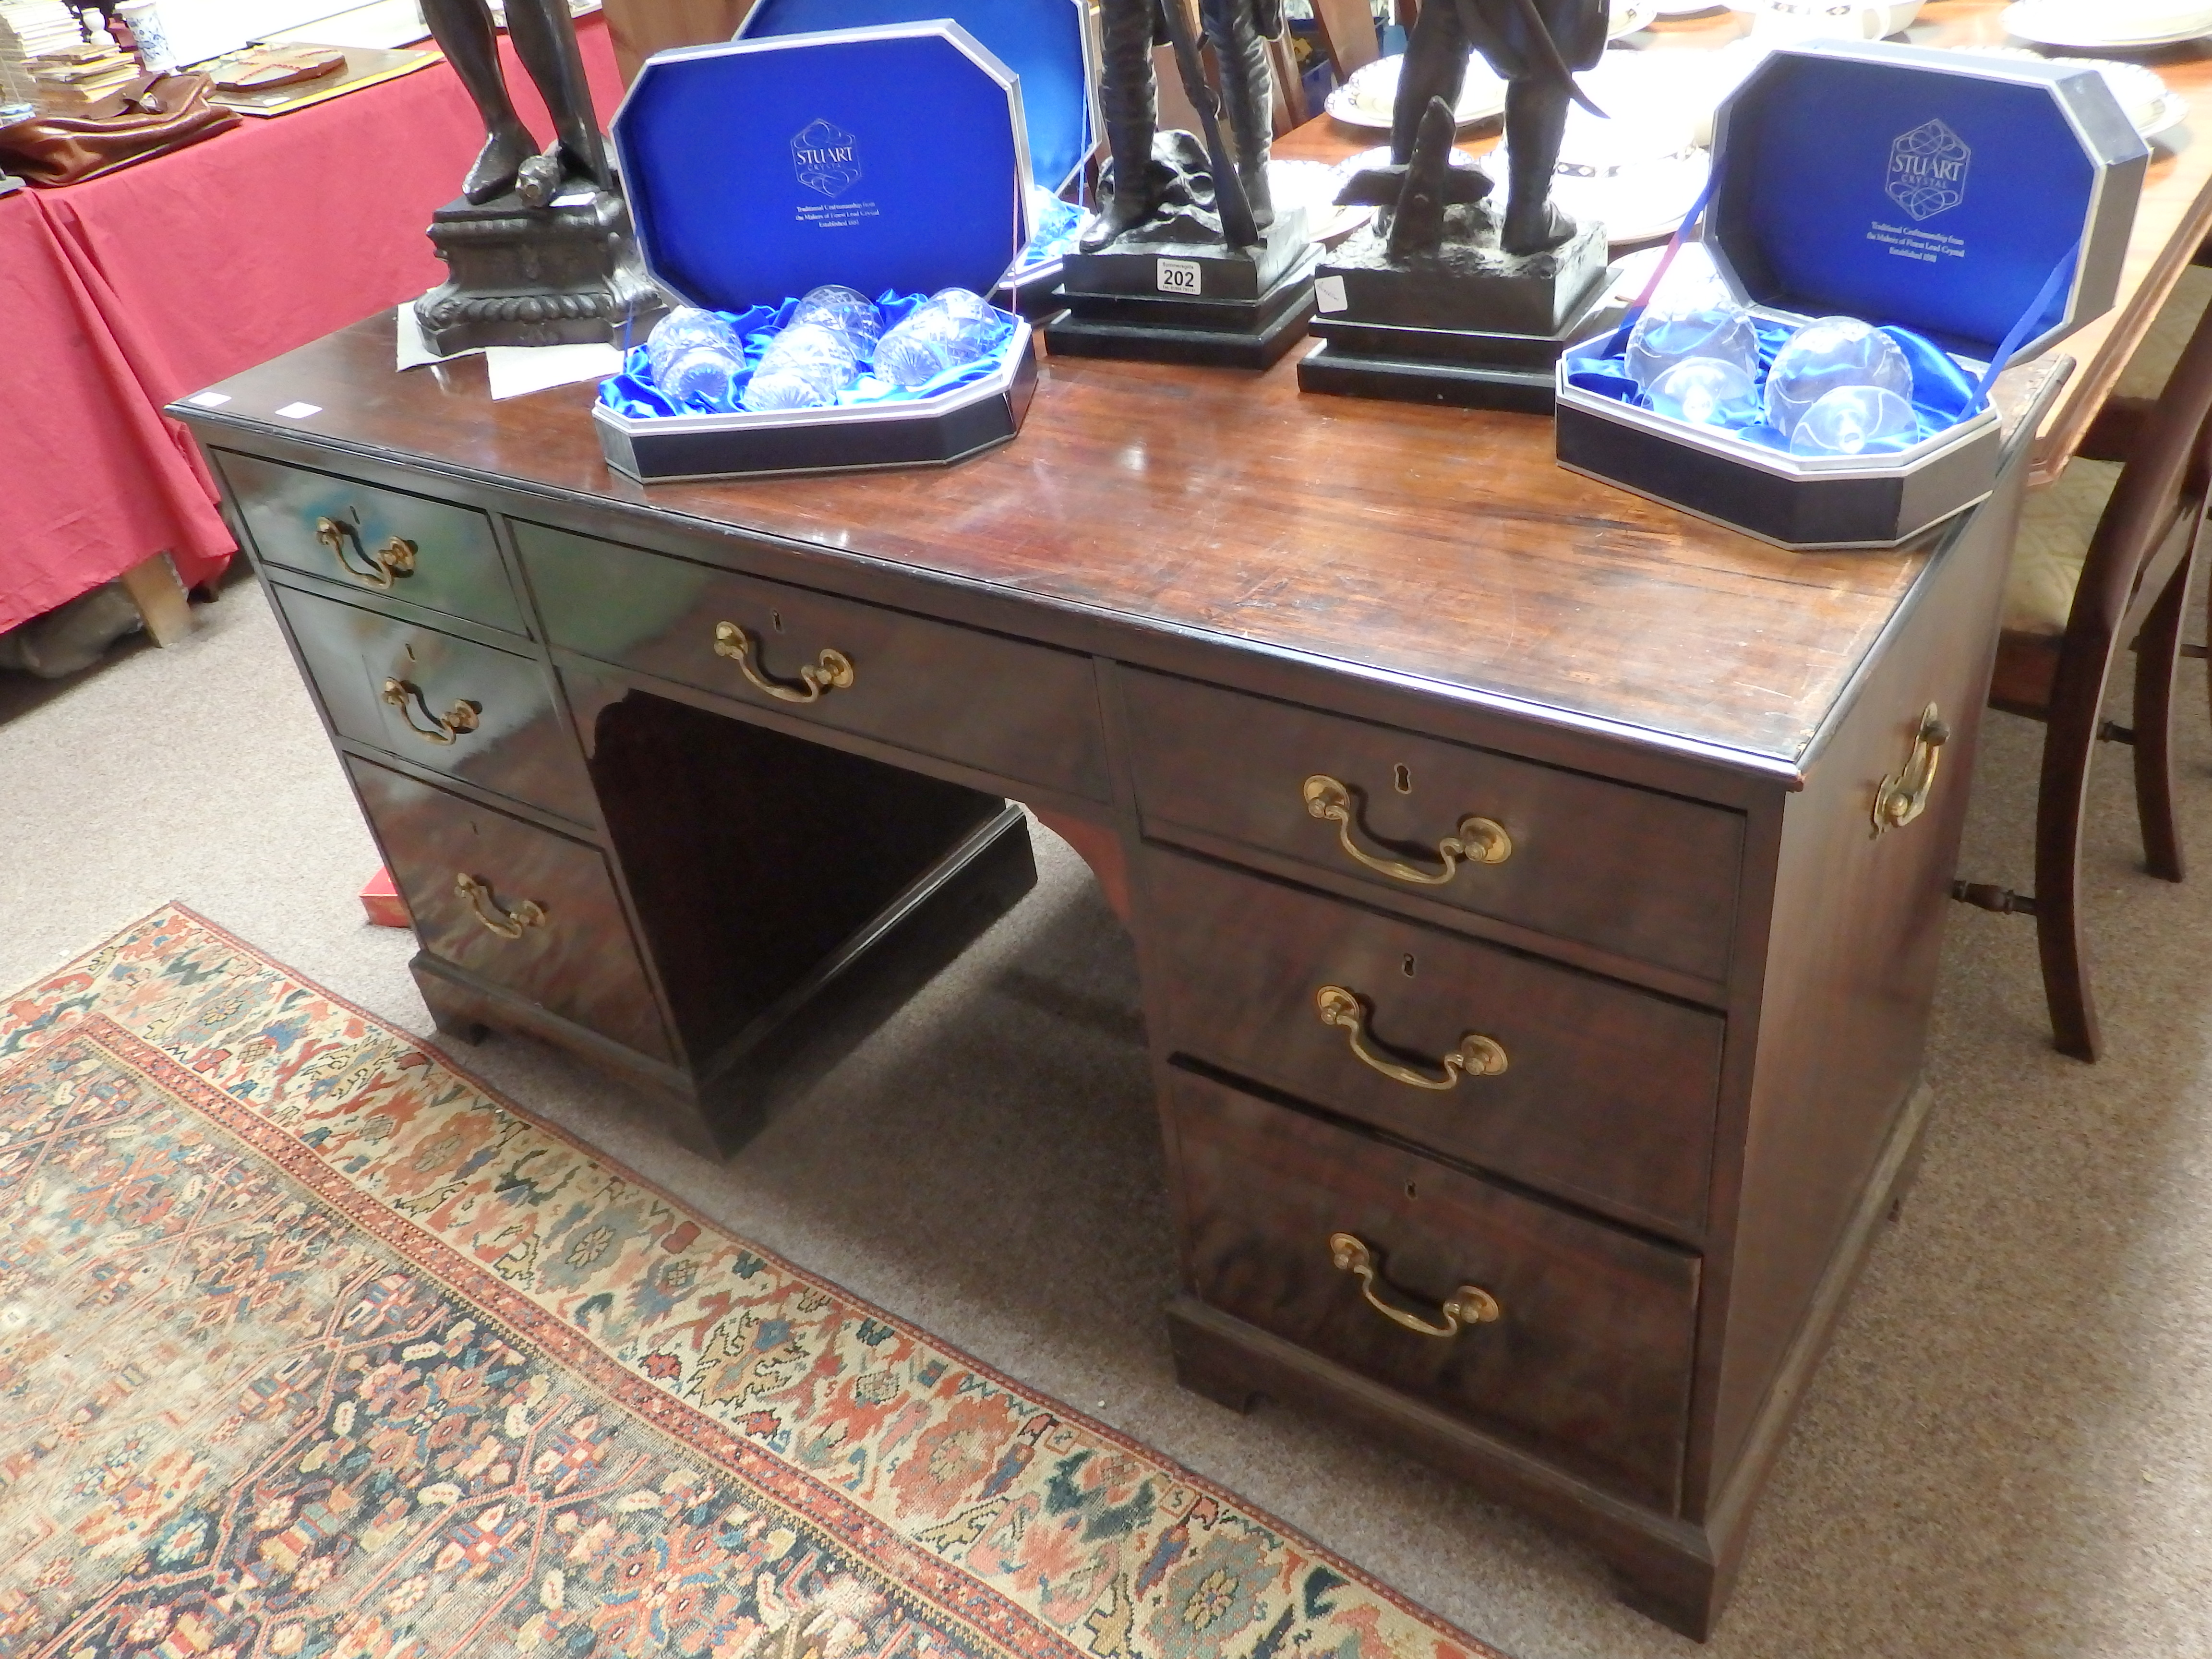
(1051,46)
(830,208)
(1887,228)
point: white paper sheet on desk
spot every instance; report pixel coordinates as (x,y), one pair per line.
(413,350)
(514,370)
(518,370)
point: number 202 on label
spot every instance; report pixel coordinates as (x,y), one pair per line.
(1178,275)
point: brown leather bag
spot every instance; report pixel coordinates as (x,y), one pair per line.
(152,116)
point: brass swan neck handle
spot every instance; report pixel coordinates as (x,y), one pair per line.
(1478,841)
(1476,1056)
(1903,796)
(507,924)
(396,558)
(831,672)
(1470,1304)
(443,728)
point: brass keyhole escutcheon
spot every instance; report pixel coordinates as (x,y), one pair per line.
(1401,779)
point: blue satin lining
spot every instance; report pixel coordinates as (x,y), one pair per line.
(632,392)
(1943,394)
(1058,223)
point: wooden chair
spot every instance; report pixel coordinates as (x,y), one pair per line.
(2074,601)
(1347,34)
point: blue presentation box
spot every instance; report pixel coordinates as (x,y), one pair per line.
(891,159)
(1982,203)
(1052,46)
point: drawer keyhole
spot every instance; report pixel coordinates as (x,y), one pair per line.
(1410,1190)
(775,620)
(1406,967)
(1401,779)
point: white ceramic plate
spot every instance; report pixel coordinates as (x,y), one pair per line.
(1366,98)
(1865,20)
(1630,15)
(2142,95)
(2072,25)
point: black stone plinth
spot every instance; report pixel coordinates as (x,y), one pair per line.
(1467,325)
(1470,368)
(1218,333)
(566,274)
(1469,283)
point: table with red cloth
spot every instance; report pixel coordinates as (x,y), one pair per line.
(122,294)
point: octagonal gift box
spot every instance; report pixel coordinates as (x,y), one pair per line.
(1052,46)
(1978,207)
(892,160)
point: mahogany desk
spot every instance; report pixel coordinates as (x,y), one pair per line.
(1501,849)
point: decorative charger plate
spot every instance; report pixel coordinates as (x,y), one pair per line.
(1367,98)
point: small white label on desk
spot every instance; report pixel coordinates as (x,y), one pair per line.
(299,411)
(208,399)
(1178,275)
(1328,294)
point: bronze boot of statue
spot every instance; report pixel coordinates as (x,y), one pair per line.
(1134,189)
(1536,124)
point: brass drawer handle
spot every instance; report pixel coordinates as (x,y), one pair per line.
(507,924)
(394,559)
(1903,796)
(1470,1304)
(442,728)
(832,673)
(1480,841)
(1476,1055)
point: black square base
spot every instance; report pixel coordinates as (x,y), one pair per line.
(1470,368)
(564,274)
(1220,333)
(1330,369)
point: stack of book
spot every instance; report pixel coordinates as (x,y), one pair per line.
(31,29)
(81,74)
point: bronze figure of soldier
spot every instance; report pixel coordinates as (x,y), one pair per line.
(1129,98)
(545,40)
(1534,45)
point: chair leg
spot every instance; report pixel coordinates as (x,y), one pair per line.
(2061,803)
(2158,654)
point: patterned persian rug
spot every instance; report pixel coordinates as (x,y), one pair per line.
(311,1346)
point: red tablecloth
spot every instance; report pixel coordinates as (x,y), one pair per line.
(119,295)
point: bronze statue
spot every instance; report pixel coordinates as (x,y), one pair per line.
(1534,45)
(545,40)
(1142,184)
(559,266)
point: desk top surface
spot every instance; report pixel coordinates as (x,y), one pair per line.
(1432,545)
(1442,548)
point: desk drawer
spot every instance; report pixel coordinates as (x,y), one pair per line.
(478,713)
(1627,870)
(1606,1094)
(1587,1361)
(544,921)
(381,541)
(1024,713)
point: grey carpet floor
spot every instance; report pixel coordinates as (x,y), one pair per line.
(2009,1451)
